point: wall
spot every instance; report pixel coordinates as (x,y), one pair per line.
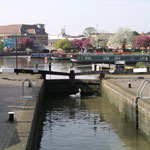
(126,103)
(33,141)
(67,87)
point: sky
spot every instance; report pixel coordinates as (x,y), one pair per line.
(76,15)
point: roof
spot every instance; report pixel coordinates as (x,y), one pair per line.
(22,29)
(29,29)
(10,29)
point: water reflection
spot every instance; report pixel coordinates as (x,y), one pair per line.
(89,124)
(63,66)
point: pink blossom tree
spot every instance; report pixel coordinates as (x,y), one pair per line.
(87,43)
(77,44)
(25,42)
(142,42)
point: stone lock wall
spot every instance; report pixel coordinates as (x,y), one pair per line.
(126,103)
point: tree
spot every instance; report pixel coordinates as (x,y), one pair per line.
(100,40)
(87,43)
(142,41)
(135,33)
(63,44)
(1,46)
(77,44)
(88,31)
(121,38)
(25,42)
(148,33)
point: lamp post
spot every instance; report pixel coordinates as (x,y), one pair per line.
(16,55)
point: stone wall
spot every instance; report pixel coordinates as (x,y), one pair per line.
(34,138)
(144,117)
(126,103)
(67,87)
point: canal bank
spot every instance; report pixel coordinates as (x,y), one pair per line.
(14,135)
(116,90)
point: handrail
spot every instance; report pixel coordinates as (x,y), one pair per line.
(142,87)
(34,94)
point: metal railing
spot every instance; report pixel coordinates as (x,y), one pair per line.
(30,83)
(141,88)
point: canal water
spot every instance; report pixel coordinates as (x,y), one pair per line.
(88,123)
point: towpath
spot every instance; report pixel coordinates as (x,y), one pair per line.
(14,136)
(122,81)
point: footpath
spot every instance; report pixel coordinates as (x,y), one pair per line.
(14,136)
(123,81)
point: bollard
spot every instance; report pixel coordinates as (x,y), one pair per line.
(11,116)
(129,85)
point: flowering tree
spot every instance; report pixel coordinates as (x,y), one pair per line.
(25,42)
(77,44)
(142,41)
(122,37)
(100,40)
(87,43)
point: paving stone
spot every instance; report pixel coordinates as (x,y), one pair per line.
(14,136)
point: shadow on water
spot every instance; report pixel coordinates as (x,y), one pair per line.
(85,124)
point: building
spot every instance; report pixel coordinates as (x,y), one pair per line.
(62,35)
(10,33)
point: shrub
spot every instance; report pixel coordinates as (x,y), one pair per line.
(141,65)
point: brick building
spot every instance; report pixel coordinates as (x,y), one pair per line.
(13,32)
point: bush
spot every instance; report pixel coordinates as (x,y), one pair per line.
(1,46)
(141,65)
(128,50)
(137,50)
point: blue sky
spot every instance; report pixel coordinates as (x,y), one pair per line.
(76,15)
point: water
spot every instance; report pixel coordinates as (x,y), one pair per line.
(87,124)
(63,66)
(83,124)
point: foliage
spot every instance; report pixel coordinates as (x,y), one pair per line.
(63,44)
(122,37)
(135,33)
(25,42)
(77,44)
(141,65)
(137,50)
(148,33)
(88,31)
(1,46)
(87,43)
(100,40)
(142,41)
